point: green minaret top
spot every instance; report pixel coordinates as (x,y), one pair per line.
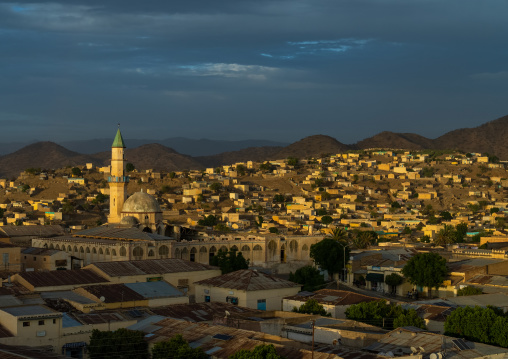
(118,142)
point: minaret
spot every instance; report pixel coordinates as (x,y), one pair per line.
(117,179)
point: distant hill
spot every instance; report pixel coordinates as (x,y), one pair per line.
(312,146)
(46,155)
(490,137)
(388,139)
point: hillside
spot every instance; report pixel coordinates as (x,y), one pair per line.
(394,140)
(248,154)
(312,146)
(155,156)
(46,155)
(490,137)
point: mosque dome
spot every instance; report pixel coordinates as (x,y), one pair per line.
(129,220)
(141,202)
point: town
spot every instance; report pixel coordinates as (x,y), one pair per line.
(365,254)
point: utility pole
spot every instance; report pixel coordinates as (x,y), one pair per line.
(313,322)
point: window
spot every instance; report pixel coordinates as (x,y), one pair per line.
(35,258)
(44,259)
(41,322)
(26,324)
(54,321)
(207,298)
(232,300)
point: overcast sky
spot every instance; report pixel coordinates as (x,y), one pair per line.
(232,69)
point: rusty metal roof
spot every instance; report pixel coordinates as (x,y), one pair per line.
(62,277)
(119,233)
(149,266)
(113,293)
(35,231)
(248,279)
(202,312)
(23,352)
(334,297)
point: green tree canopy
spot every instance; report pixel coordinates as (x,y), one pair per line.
(292,161)
(326,220)
(76,171)
(264,351)
(176,348)
(381,314)
(309,277)
(129,167)
(426,270)
(312,306)
(469,290)
(229,261)
(208,221)
(216,186)
(120,344)
(329,255)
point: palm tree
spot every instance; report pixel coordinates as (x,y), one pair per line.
(445,236)
(339,234)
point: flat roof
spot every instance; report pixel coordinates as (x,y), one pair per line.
(28,310)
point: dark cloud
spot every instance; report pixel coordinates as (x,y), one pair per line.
(246,69)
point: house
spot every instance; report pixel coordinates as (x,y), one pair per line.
(37,259)
(247,288)
(57,279)
(177,272)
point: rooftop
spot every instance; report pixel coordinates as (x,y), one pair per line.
(248,279)
(61,277)
(28,310)
(149,266)
(333,297)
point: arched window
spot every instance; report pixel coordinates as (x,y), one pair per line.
(137,252)
(51,246)
(107,252)
(305,248)
(76,249)
(257,247)
(213,249)
(113,252)
(245,248)
(202,249)
(234,248)
(69,249)
(177,253)
(151,253)
(293,246)
(101,251)
(87,250)
(163,251)
(57,247)
(123,252)
(223,249)
(94,250)
(81,250)
(272,246)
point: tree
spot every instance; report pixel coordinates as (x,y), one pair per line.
(122,343)
(267,166)
(274,230)
(229,261)
(394,280)
(216,186)
(172,175)
(264,351)
(339,234)
(292,161)
(469,290)
(326,220)
(129,167)
(176,348)
(445,236)
(329,255)
(309,277)
(426,270)
(312,306)
(67,208)
(279,198)
(446,216)
(76,171)
(208,221)
(381,314)
(409,319)
(241,170)
(100,198)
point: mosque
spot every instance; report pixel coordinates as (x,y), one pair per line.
(136,230)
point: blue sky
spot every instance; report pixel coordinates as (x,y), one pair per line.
(271,69)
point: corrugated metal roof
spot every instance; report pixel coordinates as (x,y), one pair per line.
(67,321)
(248,279)
(62,277)
(149,266)
(113,293)
(334,297)
(35,231)
(154,289)
(29,310)
(67,295)
(119,233)
(202,312)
